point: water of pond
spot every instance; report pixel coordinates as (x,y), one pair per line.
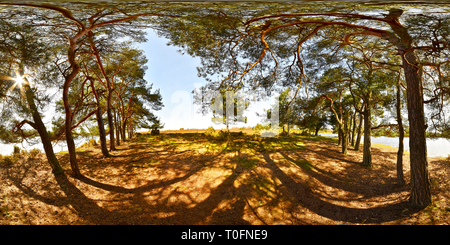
(436,147)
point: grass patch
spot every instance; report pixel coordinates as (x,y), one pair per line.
(247,163)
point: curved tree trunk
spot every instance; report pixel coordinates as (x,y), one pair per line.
(42,130)
(68,126)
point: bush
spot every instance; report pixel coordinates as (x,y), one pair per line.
(210,131)
(33,153)
(260,127)
(92,143)
(16,150)
(9,160)
(224,135)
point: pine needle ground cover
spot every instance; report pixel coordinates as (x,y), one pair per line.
(189,177)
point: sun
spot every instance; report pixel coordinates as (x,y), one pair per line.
(19,80)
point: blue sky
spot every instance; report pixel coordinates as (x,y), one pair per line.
(176,75)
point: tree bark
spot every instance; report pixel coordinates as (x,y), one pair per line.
(344,141)
(124,130)
(400,178)
(339,135)
(108,88)
(420,184)
(367,154)
(345,132)
(112,146)
(68,126)
(354,129)
(316,133)
(358,138)
(101,126)
(42,130)
(116,124)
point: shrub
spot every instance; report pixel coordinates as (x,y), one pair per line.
(92,143)
(33,153)
(210,131)
(16,150)
(260,127)
(223,135)
(9,160)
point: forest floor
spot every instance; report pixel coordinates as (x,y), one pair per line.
(186,177)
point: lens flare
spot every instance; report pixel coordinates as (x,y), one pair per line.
(19,81)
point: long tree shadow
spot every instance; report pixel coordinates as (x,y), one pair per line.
(313,202)
(131,205)
(328,179)
(170,200)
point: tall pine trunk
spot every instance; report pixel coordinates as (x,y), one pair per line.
(400,178)
(117,128)
(358,137)
(102,132)
(112,146)
(42,130)
(101,126)
(68,112)
(420,183)
(124,130)
(345,133)
(354,129)
(367,153)
(339,135)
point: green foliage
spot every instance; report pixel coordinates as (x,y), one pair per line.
(9,160)
(260,127)
(210,131)
(16,150)
(32,154)
(92,143)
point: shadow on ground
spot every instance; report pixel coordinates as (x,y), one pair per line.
(172,179)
